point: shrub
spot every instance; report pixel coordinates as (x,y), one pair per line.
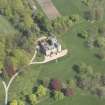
(20,102)
(100,42)
(68,92)
(83,35)
(74,18)
(33,99)
(100,91)
(14,102)
(101,55)
(103,79)
(56,85)
(41,91)
(71,83)
(58,95)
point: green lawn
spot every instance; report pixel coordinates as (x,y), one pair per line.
(68,7)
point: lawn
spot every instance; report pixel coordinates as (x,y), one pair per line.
(62,69)
(68,7)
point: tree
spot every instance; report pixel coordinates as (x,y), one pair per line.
(96,8)
(74,18)
(3,4)
(41,91)
(83,81)
(68,92)
(17,58)
(2,54)
(100,91)
(56,85)
(84,76)
(17,5)
(21,102)
(101,42)
(8,12)
(103,79)
(9,67)
(101,55)
(17,102)
(28,21)
(33,99)
(14,102)
(58,95)
(83,35)
(71,83)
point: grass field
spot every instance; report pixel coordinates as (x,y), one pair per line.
(68,7)
(63,68)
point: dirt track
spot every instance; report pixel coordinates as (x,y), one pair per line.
(49,8)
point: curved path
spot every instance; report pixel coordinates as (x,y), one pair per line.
(33,58)
(53,57)
(7,86)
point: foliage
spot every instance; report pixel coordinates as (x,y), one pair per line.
(62,23)
(17,58)
(88,80)
(101,54)
(56,85)
(83,35)
(100,91)
(41,91)
(58,95)
(2,54)
(14,102)
(96,9)
(100,42)
(33,99)
(68,92)
(71,83)
(28,22)
(17,102)
(21,102)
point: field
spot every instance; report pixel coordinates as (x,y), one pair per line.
(62,69)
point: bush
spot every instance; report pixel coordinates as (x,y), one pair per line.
(68,92)
(101,55)
(58,95)
(103,79)
(14,102)
(100,91)
(74,18)
(33,99)
(56,85)
(71,83)
(83,35)
(41,91)
(20,102)
(100,42)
